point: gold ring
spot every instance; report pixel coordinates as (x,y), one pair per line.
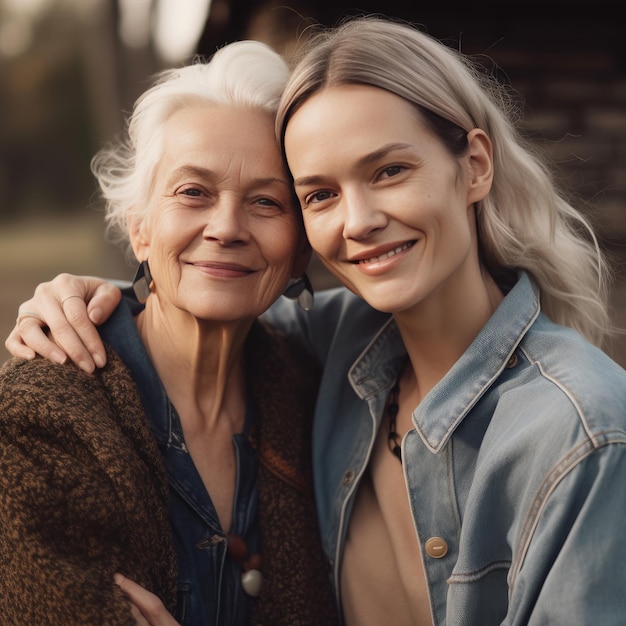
(68,297)
(26,314)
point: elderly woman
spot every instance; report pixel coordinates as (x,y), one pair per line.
(196,392)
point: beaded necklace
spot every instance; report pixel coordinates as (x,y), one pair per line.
(392,411)
(251,577)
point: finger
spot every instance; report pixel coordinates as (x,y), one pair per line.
(29,334)
(102,303)
(61,303)
(85,301)
(62,334)
(28,337)
(75,332)
(16,347)
(150,606)
(140,620)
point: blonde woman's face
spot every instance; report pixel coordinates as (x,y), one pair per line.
(386,207)
(223,236)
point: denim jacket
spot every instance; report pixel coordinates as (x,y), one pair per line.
(515,469)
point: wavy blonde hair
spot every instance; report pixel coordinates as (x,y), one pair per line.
(525,222)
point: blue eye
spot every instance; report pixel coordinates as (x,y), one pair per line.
(192,191)
(267,202)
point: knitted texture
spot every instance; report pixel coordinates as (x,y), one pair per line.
(83,495)
(296,575)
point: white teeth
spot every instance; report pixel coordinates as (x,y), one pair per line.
(387,255)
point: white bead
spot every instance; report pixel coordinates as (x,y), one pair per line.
(251,581)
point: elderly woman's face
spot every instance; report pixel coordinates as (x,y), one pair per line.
(222,234)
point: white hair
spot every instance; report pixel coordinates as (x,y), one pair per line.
(246,74)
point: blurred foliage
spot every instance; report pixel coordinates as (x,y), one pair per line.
(45,131)
(65,95)
(59,101)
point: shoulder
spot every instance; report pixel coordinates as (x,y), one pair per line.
(337,315)
(53,395)
(85,462)
(329,304)
(37,382)
(583,376)
(43,377)
(94,422)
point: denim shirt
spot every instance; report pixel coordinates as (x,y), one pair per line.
(515,468)
(209,581)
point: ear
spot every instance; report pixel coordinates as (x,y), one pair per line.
(480,156)
(137,236)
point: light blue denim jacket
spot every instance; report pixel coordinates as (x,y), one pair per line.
(517,464)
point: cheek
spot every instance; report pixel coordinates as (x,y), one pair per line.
(320,231)
(175,228)
(280,247)
(174,235)
(455,235)
(163,266)
(168,240)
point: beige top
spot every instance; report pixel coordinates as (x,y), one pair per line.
(382,577)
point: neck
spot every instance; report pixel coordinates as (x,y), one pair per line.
(200,363)
(439,330)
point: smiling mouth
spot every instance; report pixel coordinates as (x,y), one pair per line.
(386,255)
(224,270)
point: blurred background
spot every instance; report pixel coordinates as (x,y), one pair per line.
(71,69)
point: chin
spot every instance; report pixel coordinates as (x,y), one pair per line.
(387,298)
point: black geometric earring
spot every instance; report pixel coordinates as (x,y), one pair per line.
(141,282)
(300,289)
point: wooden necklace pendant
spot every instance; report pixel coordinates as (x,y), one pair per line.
(251,577)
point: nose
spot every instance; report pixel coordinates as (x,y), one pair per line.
(362,217)
(227,222)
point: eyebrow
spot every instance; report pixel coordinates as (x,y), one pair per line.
(368,159)
(203,172)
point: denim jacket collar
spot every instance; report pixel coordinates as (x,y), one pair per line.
(445,406)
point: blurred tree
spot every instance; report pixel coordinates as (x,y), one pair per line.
(44,125)
(61,99)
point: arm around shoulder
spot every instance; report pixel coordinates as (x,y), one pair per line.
(59,321)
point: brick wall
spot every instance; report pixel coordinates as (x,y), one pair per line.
(573,80)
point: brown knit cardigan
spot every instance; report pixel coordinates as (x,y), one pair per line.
(84,493)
